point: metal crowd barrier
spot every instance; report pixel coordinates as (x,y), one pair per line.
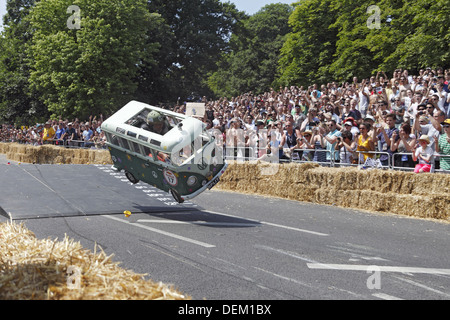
(401,168)
(298,156)
(75,144)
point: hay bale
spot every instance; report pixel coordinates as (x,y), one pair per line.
(32,269)
(49,154)
(403,193)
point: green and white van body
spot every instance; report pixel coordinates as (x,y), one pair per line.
(185,161)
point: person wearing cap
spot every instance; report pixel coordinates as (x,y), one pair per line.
(443,146)
(424,154)
(257,139)
(72,135)
(352,126)
(369,119)
(49,133)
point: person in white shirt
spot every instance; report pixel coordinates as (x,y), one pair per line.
(363,95)
(424,154)
(442,96)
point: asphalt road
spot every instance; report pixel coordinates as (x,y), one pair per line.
(229,246)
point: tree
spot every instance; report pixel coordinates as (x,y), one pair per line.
(310,47)
(331,39)
(90,68)
(201,30)
(252,63)
(153,73)
(425,40)
(18,104)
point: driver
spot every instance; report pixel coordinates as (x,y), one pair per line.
(156,122)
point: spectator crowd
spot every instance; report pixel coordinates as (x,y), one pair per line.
(76,133)
(401,121)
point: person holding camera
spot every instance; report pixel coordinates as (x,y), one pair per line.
(347,148)
(399,110)
(423,125)
(304,142)
(384,139)
(405,144)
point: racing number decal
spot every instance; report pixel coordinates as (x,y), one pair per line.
(170,178)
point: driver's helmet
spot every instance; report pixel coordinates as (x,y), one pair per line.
(155,117)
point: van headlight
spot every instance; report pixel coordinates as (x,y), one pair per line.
(191,181)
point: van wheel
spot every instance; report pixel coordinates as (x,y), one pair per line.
(176,196)
(131,178)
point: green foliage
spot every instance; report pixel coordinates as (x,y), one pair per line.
(310,47)
(200,33)
(17,103)
(331,41)
(251,65)
(89,70)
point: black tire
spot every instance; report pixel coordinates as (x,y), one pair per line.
(176,196)
(131,178)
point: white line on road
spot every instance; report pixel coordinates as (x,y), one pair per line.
(423,286)
(385,296)
(172,235)
(202,223)
(349,267)
(272,224)
(286,278)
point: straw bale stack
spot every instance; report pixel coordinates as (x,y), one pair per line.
(49,154)
(418,195)
(32,269)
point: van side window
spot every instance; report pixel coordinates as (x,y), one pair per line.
(148,151)
(116,140)
(123,143)
(134,147)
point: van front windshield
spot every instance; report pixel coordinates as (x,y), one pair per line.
(193,152)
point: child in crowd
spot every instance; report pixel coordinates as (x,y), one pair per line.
(425,155)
